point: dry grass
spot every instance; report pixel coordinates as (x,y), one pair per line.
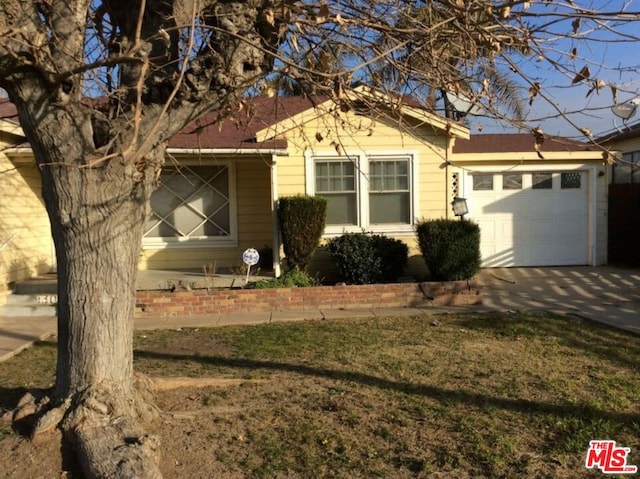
(479,396)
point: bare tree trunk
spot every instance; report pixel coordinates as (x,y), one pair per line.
(97,216)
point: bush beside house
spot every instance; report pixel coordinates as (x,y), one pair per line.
(450,248)
(301,219)
(367,259)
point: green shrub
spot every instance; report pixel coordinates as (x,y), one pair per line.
(365,259)
(301,219)
(289,279)
(394,255)
(450,248)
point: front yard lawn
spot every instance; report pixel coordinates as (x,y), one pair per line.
(481,395)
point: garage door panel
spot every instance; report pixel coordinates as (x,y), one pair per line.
(530,227)
(543,254)
(543,229)
(571,230)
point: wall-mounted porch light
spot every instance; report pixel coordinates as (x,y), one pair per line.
(460,207)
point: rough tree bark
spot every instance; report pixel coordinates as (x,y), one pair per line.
(100,160)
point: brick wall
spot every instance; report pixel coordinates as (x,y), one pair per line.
(215,301)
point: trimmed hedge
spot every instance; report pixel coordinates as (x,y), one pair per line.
(450,248)
(365,259)
(301,220)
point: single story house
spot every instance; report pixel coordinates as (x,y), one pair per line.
(382,170)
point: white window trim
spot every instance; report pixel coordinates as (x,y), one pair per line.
(230,241)
(362,189)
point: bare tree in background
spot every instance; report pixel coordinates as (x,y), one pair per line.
(101,85)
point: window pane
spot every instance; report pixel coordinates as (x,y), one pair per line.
(322,184)
(570,180)
(390,208)
(512,181)
(322,170)
(191,201)
(334,176)
(389,175)
(542,181)
(483,182)
(341,209)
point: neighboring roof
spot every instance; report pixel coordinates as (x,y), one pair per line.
(516,142)
(629,132)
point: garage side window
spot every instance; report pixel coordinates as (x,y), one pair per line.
(336,181)
(570,180)
(512,181)
(542,181)
(482,182)
(192,202)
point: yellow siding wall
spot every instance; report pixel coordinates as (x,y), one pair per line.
(381,136)
(23,217)
(253,193)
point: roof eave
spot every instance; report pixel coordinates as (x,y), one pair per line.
(328,106)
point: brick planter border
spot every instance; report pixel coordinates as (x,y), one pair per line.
(216,301)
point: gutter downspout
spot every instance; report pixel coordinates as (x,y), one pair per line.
(274,215)
(447,180)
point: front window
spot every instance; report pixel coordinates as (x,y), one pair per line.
(336,181)
(374,193)
(389,191)
(191,203)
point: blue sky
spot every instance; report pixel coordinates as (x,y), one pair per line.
(610,61)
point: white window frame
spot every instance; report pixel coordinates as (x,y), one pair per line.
(229,241)
(361,160)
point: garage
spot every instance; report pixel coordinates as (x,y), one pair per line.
(530,218)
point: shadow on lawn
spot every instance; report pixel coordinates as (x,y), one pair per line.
(594,339)
(445,396)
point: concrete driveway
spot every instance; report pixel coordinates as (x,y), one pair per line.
(606,294)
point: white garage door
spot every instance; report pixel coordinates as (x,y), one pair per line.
(531,219)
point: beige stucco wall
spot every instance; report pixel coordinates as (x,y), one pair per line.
(254,224)
(25,236)
(589,161)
